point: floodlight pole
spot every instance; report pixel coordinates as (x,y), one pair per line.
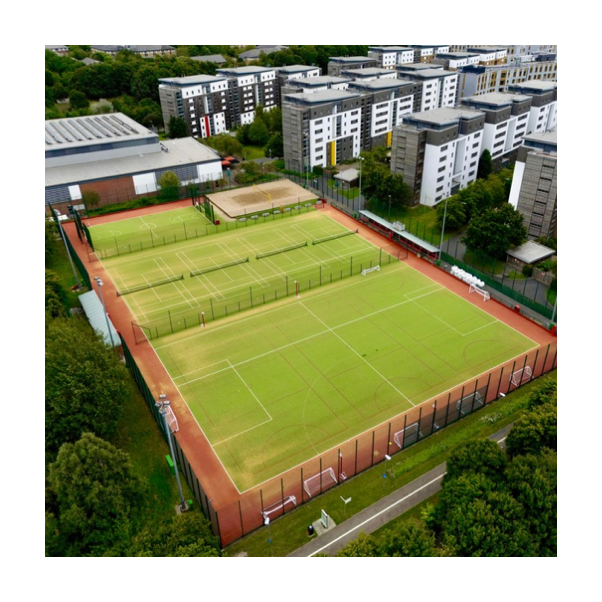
(79,284)
(161,404)
(100,284)
(443,228)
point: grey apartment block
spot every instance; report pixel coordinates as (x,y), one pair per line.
(538,190)
(338,64)
(407,157)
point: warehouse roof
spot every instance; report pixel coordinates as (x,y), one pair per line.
(183,151)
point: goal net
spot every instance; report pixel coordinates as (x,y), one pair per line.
(475,289)
(520,376)
(280,505)
(319,482)
(408,435)
(468,404)
(376,268)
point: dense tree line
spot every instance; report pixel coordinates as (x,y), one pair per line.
(310,55)
(379,185)
(96,502)
(492,502)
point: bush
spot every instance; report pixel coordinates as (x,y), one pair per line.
(528,271)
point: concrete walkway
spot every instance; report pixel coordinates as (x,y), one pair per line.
(383,511)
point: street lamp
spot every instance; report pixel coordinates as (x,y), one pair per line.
(443,229)
(100,284)
(162,405)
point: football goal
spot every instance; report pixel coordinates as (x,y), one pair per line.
(376,268)
(475,289)
(319,482)
(521,376)
(468,404)
(279,505)
(410,434)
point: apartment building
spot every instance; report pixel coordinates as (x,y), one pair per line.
(480,79)
(323,128)
(389,57)
(212,104)
(452,61)
(384,104)
(338,64)
(247,88)
(489,55)
(534,184)
(426,54)
(369,74)
(438,151)
(296,72)
(543,113)
(315,84)
(506,122)
(439,86)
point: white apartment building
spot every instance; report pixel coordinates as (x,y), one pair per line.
(389,57)
(438,151)
(506,121)
(425,53)
(369,74)
(439,88)
(543,114)
(315,84)
(489,55)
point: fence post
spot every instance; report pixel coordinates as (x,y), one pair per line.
(355,456)
(499,385)
(389,439)
(320,475)
(372,457)
(302,488)
(282,494)
(261,499)
(434,416)
(405,420)
(447,409)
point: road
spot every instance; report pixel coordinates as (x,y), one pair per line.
(383,511)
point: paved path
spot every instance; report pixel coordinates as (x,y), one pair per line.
(383,511)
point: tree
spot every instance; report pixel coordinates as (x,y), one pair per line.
(86,383)
(544,393)
(455,215)
(185,535)
(534,431)
(496,231)
(55,296)
(169,186)
(91,199)
(409,540)
(275,146)
(258,132)
(177,128)
(78,100)
(482,456)
(97,496)
(485,167)
(363,546)
(52,241)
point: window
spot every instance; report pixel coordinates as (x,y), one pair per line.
(441,159)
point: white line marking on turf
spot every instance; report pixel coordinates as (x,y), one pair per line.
(174,283)
(358,354)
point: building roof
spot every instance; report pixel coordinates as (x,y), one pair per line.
(349,175)
(244,70)
(98,319)
(382,84)
(497,98)
(537,85)
(531,252)
(432,73)
(72,132)
(209,58)
(350,59)
(191,80)
(457,55)
(443,115)
(369,71)
(388,48)
(183,151)
(418,66)
(323,80)
(117,48)
(255,52)
(321,97)
(546,142)
(296,68)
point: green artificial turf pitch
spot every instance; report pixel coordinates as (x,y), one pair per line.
(277,386)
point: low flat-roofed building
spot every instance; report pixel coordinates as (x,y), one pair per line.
(338,64)
(529,253)
(218,59)
(369,74)
(389,57)
(145,51)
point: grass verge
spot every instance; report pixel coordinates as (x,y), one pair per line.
(290,532)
